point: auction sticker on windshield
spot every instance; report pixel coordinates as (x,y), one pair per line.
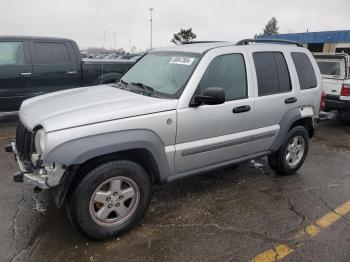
(181,60)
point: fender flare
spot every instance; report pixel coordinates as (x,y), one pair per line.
(287,121)
(78,151)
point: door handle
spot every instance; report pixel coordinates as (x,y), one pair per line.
(72,72)
(241,109)
(290,100)
(26,74)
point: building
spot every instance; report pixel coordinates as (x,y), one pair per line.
(327,41)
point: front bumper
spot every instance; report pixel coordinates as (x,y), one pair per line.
(335,103)
(30,176)
(44,177)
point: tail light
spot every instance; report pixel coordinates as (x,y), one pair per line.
(345,90)
(323,102)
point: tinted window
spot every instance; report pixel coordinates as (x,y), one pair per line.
(52,53)
(305,70)
(271,72)
(11,53)
(228,72)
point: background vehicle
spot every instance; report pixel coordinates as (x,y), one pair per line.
(179,111)
(336,83)
(31,66)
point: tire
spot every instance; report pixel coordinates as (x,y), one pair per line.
(344,116)
(297,153)
(127,187)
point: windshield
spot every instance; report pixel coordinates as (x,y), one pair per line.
(332,68)
(166,73)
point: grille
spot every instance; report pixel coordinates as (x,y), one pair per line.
(24,142)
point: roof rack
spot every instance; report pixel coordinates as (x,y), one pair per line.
(268,40)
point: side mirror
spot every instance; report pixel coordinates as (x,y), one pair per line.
(210,96)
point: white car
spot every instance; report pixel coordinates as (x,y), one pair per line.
(336,83)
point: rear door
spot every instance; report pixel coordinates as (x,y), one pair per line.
(15,73)
(274,89)
(55,66)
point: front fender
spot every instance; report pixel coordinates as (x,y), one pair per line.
(80,150)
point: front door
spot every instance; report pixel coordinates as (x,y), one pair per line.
(211,134)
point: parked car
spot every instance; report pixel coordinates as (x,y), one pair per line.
(179,111)
(31,66)
(335,69)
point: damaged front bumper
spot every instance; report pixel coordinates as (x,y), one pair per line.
(43,178)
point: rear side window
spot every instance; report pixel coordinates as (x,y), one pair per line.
(11,53)
(52,53)
(272,73)
(305,70)
(228,72)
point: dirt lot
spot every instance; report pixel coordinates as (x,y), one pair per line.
(240,214)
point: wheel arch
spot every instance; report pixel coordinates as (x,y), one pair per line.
(291,119)
(141,146)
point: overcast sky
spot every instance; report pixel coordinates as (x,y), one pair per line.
(86,20)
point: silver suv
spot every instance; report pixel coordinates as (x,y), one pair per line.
(177,112)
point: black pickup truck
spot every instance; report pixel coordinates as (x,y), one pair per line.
(31,66)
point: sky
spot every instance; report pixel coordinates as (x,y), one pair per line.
(87,21)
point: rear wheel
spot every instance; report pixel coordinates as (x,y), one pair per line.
(109,199)
(292,153)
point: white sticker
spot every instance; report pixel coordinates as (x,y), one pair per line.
(181,60)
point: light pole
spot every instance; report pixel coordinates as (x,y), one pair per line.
(115,46)
(151,20)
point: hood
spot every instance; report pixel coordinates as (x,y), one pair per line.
(88,105)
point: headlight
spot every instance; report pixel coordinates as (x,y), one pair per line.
(40,141)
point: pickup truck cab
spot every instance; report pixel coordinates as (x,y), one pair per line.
(335,69)
(31,66)
(179,111)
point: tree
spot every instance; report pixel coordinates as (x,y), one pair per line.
(271,27)
(184,36)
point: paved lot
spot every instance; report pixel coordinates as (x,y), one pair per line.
(229,215)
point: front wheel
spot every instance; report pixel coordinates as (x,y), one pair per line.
(110,199)
(292,153)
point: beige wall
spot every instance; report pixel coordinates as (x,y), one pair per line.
(329,47)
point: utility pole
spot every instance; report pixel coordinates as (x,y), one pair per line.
(104,40)
(115,46)
(151,20)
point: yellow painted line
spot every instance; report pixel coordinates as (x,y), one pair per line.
(274,254)
(281,250)
(312,230)
(343,209)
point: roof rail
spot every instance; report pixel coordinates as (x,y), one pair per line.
(268,40)
(200,42)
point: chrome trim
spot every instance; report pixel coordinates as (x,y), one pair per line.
(236,142)
(26,74)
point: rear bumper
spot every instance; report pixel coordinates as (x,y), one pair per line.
(334,102)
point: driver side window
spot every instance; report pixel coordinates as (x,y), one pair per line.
(229,73)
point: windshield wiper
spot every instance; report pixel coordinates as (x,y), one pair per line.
(123,82)
(149,89)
